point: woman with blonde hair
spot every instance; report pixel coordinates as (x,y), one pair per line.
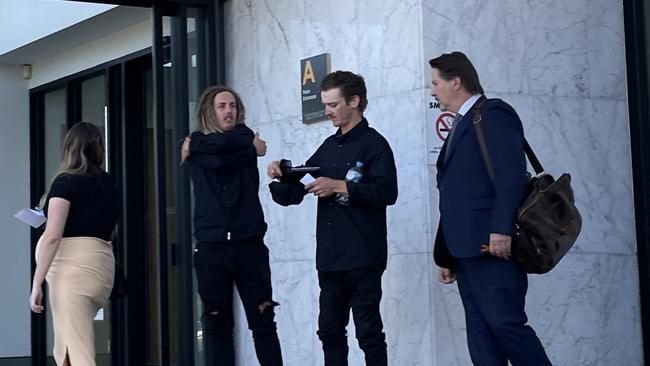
(75,253)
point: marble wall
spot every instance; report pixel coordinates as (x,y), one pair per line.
(559,63)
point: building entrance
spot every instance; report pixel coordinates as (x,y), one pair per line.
(144,103)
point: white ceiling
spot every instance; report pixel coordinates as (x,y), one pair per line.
(100,25)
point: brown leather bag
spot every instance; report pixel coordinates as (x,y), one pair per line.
(548,222)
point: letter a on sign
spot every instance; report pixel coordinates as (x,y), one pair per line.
(309,74)
(313,70)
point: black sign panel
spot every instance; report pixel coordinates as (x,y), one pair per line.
(312,71)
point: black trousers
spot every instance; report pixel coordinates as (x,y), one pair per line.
(244,263)
(359,289)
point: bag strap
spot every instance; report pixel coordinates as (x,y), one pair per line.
(476,111)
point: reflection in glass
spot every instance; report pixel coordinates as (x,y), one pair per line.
(55,130)
(152,356)
(94,110)
(195,72)
(55,127)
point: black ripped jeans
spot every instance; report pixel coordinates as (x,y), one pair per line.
(359,289)
(244,263)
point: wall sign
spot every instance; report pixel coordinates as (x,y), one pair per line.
(312,71)
(438,126)
(444,123)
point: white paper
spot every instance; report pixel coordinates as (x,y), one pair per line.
(34,218)
(307,179)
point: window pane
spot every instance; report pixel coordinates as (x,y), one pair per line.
(55,130)
(196,78)
(94,108)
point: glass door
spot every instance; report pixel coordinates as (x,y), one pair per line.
(180,74)
(56,119)
(144,104)
(95,98)
(55,127)
(196,72)
(139,332)
(94,109)
(170,127)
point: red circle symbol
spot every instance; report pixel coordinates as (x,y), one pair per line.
(444,123)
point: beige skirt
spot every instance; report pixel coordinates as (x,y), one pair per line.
(79,281)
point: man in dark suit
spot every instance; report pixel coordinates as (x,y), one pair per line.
(474,212)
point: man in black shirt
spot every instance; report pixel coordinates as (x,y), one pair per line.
(229,228)
(352,247)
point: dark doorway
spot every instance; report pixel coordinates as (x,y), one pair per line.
(145,102)
(119,97)
(637,46)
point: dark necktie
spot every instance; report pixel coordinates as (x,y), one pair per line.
(450,138)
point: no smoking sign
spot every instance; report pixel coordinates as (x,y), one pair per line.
(444,123)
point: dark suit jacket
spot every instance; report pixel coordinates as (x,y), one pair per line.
(470,207)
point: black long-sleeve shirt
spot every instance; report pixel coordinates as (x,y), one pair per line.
(226,182)
(353,236)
